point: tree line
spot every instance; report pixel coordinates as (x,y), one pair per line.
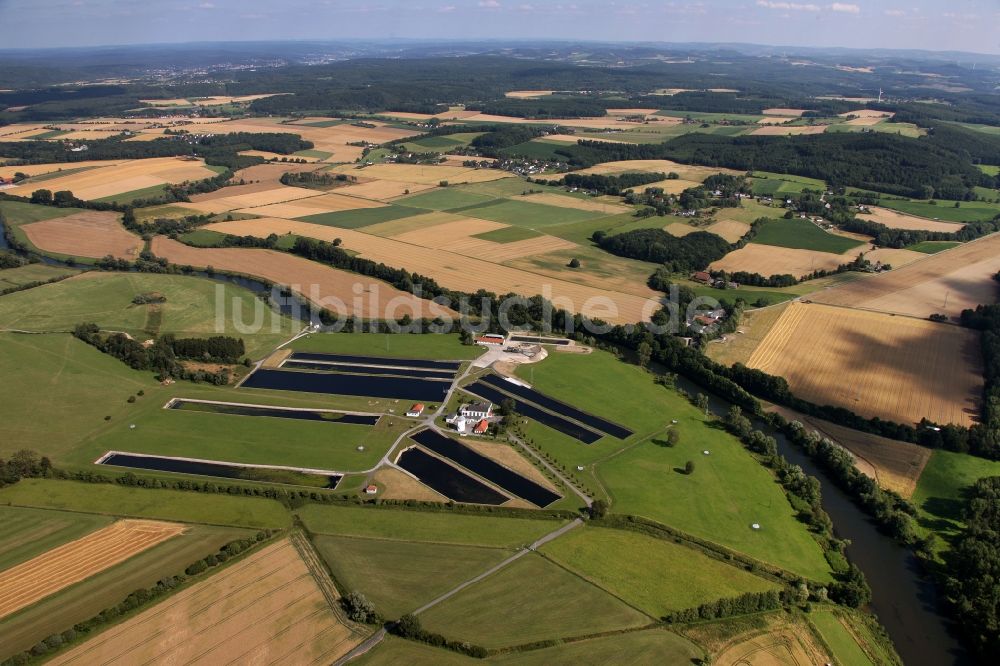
(612,185)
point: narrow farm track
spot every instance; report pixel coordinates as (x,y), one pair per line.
(41,576)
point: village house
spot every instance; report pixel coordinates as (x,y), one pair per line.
(477,410)
(491,339)
(702,276)
(416,410)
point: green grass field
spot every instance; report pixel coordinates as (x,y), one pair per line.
(106,299)
(845,649)
(802,235)
(932,247)
(508,235)
(153,192)
(88,598)
(652,646)
(529,600)
(18,277)
(446,198)
(940,491)
(245,439)
(399,576)
(441,528)
(968,211)
(356,219)
(989,169)
(178,505)
(19,212)
(728,491)
(25,533)
(770,183)
(428,346)
(621,562)
(531,215)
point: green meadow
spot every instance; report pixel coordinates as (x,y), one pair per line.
(526,601)
(440,528)
(620,562)
(26,533)
(802,235)
(400,576)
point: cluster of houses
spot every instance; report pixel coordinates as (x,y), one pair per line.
(706,322)
(719,283)
(473,417)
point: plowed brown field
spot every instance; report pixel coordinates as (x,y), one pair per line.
(92,234)
(267,609)
(339,291)
(41,576)
(896,368)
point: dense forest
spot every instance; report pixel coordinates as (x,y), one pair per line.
(681,254)
(973,569)
(887,163)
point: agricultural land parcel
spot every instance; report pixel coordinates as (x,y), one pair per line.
(265,606)
(897,368)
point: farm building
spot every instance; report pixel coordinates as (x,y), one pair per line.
(702,276)
(459,422)
(477,410)
(491,339)
(416,410)
(371,489)
(481,427)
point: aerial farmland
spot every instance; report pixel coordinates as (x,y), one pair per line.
(542,354)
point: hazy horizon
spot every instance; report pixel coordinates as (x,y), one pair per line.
(968,26)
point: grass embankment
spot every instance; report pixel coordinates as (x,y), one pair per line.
(728,491)
(428,346)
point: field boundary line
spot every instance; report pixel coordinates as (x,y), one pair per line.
(318,572)
(593,583)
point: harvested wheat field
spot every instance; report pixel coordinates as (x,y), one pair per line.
(527,94)
(895,465)
(92,233)
(236,197)
(674,186)
(595,204)
(865,122)
(459,272)
(896,220)
(739,346)
(266,609)
(697,174)
(386,190)
(46,574)
(947,283)
(789,646)
(315,205)
(501,252)
(784,112)
(774,260)
(867,113)
(896,368)
(124,177)
(572,138)
(339,291)
(786,130)
(397,484)
(413,223)
(730,230)
(39,169)
(270,173)
(445,229)
(893,257)
(426,174)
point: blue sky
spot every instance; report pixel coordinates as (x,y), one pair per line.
(968,25)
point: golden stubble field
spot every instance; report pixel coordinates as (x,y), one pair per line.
(897,368)
(266,609)
(896,220)
(947,283)
(340,291)
(457,271)
(123,177)
(46,574)
(774,260)
(92,233)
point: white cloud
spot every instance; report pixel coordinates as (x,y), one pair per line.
(788,6)
(207,5)
(845,8)
(895,12)
(446,9)
(492,4)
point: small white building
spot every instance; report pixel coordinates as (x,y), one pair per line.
(460,423)
(416,410)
